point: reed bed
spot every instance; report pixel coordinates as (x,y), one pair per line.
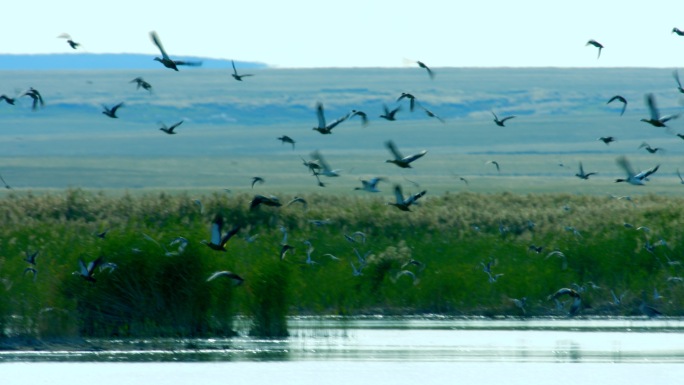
(430,260)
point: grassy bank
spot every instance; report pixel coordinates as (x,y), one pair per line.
(629,247)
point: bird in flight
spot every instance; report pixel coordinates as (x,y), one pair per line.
(111,112)
(577,300)
(402,203)
(370,185)
(170,130)
(264,200)
(597,45)
(238,280)
(582,175)
(325,168)
(286,139)
(71,43)
(650,149)
(632,177)
(432,114)
(656,120)
(36,96)
(257,179)
(607,139)
(501,122)
(390,115)
(323,127)
(495,163)
(87,271)
(140,83)
(218,241)
(678,31)
(429,71)
(165,59)
(360,114)
(7,99)
(410,97)
(675,74)
(620,99)
(235,73)
(399,160)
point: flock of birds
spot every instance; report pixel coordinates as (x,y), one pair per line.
(318,167)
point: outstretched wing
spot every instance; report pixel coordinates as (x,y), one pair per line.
(320,115)
(157,42)
(398,195)
(229,235)
(650,102)
(393,149)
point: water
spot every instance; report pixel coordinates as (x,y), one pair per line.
(380,350)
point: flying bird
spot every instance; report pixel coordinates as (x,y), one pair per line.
(399,160)
(235,73)
(577,300)
(632,177)
(140,83)
(218,241)
(650,149)
(360,114)
(678,31)
(410,97)
(257,179)
(582,175)
(402,203)
(87,272)
(429,71)
(323,127)
(390,115)
(36,96)
(264,200)
(597,45)
(656,120)
(7,99)
(286,139)
(495,163)
(675,74)
(370,185)
(238,280)
(297,199)
(324,166)
(165,59)
(170,130)
(432,114)
(69,41)
(501,122)
(620,99)
(111,112)
(607,139)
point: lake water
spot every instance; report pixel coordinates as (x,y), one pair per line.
(380,350)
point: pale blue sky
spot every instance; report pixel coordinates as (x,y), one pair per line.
(360,33)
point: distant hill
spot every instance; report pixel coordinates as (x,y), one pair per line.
(108,61)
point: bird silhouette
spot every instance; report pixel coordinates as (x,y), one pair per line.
(257,179)
(360,114)
(69,41)
(218,241)
(634,178)
(432,114)
(678,31)
(165,59)
(650,149)
(87,271)
(402,203)
(264,200)
(607,139)
(495,163)
(238,280)
(286,139)
(577,299)
(323,127)
(501,122)
(655,119)
(410,97)
(582,175)
(325,168)
(429,71)
(7,99)
(620,99)
(36,96)
(111,112)
(235,73)
(140,83)
(597,45)
(170,130)
(390,115)
(400,160)
(370,185)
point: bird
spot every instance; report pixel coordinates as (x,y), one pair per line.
(620,99)
(678,31)
(520,303)
(399,160)
(8,187)
(297,199)
(238,280)
(71,43)
(390,115)
(501,122)
(429,71)
(656,120)
(410,97)
(360,114)
(577,300)
(165,59)
(111,112)
(323,127)
(7,99)
(140,83)
(286,139)
(218,241)
(597,45)
(650,149)
(257,179)
(607,139)
(432,114)
(370,185)
(284,249)
(170,130)
(36,96)
(31,257)
(582,175)
(559,254)
(634,178)
(267,201)
(86,272)
(675,74)
(408,273)
(325,167)
(235,73)
(402,203)
(495,163)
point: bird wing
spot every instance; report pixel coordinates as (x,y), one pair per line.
(82,267)
(507,118)
(225,273)
(320,115)
(94,264)
(216,226)
(229,235)
(113,110)
(650,102)
(415,197)
(157,42)
(234,70)
(398,195)
(175,125)
(316,155)
(647,173)
(581,171)
(411,158)
(393,149)
(188,63)
(624,163)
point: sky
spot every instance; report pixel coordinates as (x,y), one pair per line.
(360,33)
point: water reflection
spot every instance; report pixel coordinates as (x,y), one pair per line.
(403,339)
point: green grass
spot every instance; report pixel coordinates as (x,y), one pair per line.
(151,294)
